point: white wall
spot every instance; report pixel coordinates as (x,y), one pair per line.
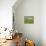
(29,8)
(43,22)
(6,13)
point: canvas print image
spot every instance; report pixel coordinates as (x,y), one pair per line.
(28,19)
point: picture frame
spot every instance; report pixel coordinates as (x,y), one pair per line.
(28,19)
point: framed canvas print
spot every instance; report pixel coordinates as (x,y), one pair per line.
(28,19)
